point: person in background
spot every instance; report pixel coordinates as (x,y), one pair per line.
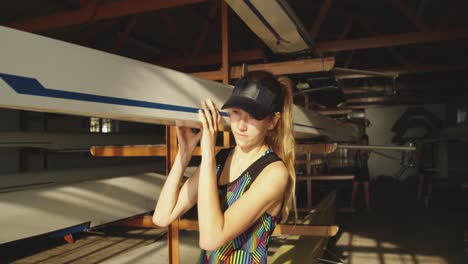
(361,158)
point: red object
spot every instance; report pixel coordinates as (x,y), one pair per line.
(69,238)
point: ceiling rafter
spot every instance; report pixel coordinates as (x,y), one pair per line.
(411,69)
(370,29)
(320,18)
(214,59)
(392,40)
(413,18)
(276,68)
(174,32)
(89,37)
(96,13)
(205,28)
(123,36)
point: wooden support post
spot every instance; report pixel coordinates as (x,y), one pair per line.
(225,57)
(173,229)
(225,42)
(309,194)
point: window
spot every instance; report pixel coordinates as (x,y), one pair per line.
(100,125)
(461,115)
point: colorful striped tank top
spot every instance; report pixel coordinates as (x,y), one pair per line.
(252,245)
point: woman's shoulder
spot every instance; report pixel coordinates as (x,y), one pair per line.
(276,169)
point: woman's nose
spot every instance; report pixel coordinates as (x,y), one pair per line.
(242,124)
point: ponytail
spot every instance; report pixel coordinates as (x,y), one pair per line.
(283,143)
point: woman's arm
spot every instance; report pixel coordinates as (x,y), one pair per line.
(173,201)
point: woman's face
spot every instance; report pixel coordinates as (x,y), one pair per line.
(247,130)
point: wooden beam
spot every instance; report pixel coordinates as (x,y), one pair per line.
(88,38)
(379,99)
(174,32)
(323,148)
(123,37)
(392,40)
(96,13)
(226,57)
(320,18)
(277,68)
(135,151)
(407,70)
(192,225)
(326,178)
(240,56)
(347,28)
(328,46)
(129,151)
(370,29)
(414,19)
(306,230)
(335,112)
(205,28)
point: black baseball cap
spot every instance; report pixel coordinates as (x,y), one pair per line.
(258,97)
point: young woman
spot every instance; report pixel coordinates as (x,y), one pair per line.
(241,192)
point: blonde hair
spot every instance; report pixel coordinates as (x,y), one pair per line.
(283,144)
(281,139)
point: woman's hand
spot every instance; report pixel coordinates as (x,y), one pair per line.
(188,140)
(210,117)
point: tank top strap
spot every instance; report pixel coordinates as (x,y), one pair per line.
(257,167)
(221,158)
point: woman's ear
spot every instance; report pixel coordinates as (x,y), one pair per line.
(274,120)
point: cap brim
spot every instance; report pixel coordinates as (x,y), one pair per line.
(248,105)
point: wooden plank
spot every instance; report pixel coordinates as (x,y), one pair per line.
(284,229)
(323,148)
(406,70)
(336,112)
(96,13)
(393,40)
(277,68)
(415,20)
(320,18)
(174,32)
(215,59)
(309,192)
(123,37)
(136,151)
(129,151)
(326,178)
(205,28)
(72,141)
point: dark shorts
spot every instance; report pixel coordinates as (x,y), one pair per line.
(361,174)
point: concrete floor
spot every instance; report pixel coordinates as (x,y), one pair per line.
(398,230)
